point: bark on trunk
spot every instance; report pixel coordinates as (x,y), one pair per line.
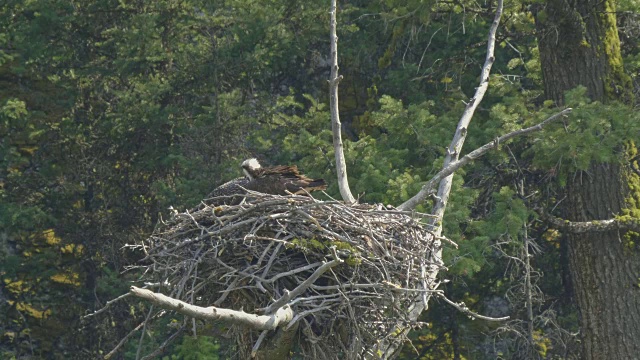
(604,269)
(579,45)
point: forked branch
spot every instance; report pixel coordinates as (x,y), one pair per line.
(429,187)
(453,152)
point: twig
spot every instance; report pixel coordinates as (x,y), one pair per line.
(294,271)
(271,259)
(462,307)
(254,351)
(124,340)
(303,314)
(288,295)
(106,306)
(144,328)
(161,349)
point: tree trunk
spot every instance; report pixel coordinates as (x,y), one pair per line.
(604,269)
(579,45)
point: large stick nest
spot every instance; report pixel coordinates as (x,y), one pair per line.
(250,255)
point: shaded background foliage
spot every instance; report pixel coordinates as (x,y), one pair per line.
(112,111)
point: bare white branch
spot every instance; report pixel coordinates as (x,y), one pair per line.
(462,307)
(429,187)
(336,127)
(453,152)
(258,322)
(388,349)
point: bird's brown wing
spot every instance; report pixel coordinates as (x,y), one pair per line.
(282,179)
(223,194)
(302,184)
(288,171)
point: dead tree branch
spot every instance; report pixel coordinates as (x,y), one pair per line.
(429,187)
(258,322)
(336,126)
(453,152)
(389,349)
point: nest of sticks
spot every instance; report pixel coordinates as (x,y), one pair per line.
(349,273)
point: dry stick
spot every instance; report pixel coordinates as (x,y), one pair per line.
(429,187)
(226,293)
(271,259)
(124,339)
(288,295)
(462,307)
(265,322)
(341,166)
(305,313)
(254,351)
(164,344)
(294,271)
(106,306)
(144,328)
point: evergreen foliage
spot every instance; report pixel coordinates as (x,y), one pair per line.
(112,111)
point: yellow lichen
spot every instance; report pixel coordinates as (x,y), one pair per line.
(30,310)
(50,237)
(66,278)
(15,287)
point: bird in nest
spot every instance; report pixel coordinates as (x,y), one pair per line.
(276,180)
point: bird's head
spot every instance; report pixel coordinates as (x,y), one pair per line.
(249,167)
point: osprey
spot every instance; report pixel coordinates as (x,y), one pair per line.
(276,180)
(279,180)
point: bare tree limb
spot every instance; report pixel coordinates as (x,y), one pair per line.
(453,152)
(429,187)
(390,349)
(579,227)
(265,322)
(341,166)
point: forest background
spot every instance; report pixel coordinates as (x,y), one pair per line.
(113,111)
